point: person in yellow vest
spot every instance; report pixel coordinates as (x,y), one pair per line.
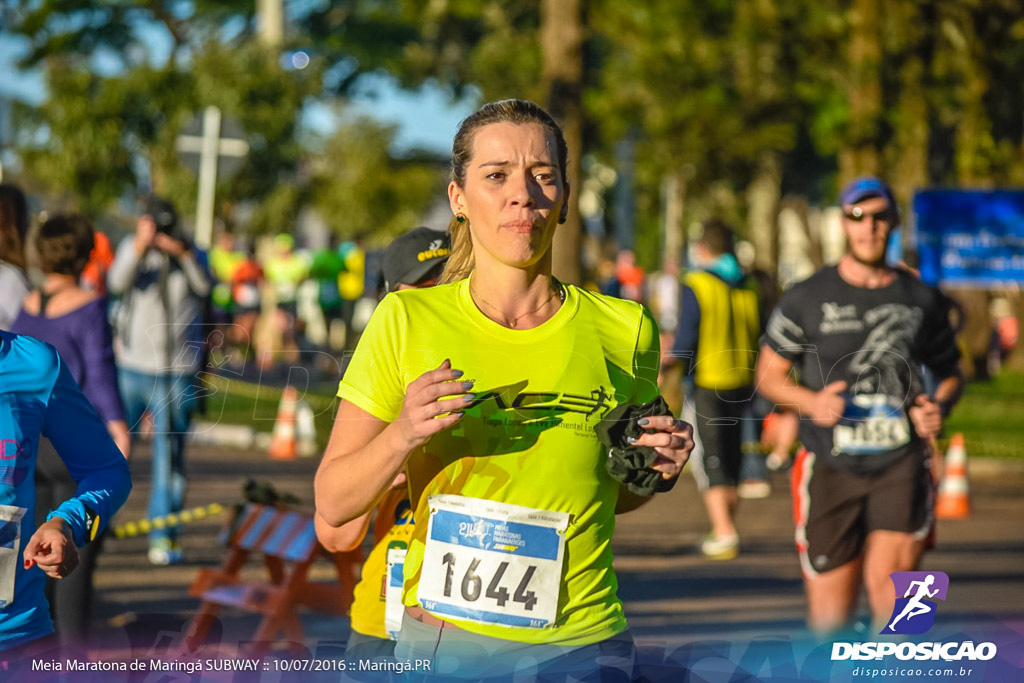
(411,261)
(285,270)
(718,332)
(224,260)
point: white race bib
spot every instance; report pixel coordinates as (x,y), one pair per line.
(871,423)
(492,563)
(10,550)
(394,610)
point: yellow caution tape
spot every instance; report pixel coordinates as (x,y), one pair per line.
(144,526)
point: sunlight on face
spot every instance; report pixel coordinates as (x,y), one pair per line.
(867,225)
(513,195)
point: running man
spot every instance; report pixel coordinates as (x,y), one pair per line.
(915,606)
(857,334)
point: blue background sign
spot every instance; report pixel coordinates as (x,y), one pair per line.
(970,238)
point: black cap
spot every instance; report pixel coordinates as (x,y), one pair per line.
(411,256)
(162,212)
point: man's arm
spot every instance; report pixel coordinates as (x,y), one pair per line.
(928,412)
(684,345)
(948,392)
(122,270)
(774,382)
(198,279)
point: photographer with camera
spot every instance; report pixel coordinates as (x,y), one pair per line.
(159,349)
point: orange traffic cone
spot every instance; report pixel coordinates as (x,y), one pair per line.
(953,501)
(283,444)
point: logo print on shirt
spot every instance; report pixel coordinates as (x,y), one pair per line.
(598,403)
(882,359)
(914,613)
(837,319)
(14,462)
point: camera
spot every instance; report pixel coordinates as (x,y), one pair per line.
(165,217)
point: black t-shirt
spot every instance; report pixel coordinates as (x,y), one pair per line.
(873,339)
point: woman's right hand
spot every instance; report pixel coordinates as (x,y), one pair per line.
(424,413)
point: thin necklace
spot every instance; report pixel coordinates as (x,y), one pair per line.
(515,321)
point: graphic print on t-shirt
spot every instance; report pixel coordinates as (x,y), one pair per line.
(881,364)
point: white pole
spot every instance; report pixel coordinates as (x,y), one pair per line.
(270,22)
(207,177)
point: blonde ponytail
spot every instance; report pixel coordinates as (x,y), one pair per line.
(461,261)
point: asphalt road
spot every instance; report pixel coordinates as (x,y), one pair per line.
(681,608)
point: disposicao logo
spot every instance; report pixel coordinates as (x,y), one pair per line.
(914,612)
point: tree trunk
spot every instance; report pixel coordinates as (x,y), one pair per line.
(910,166)
(756,56)
(802,211)
(561,35)
(973,140)
(763,197)
(859,154)
(674,192)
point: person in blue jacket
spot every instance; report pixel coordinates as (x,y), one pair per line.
(39,397)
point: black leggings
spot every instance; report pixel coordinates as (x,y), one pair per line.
(70,598)
(719,419)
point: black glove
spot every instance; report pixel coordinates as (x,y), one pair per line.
(627,463)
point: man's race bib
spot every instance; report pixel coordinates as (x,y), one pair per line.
(492,563)
(871,423)
(10,550)
(394,610)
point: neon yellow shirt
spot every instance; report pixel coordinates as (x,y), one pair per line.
(528,439)
(223,262)
(286,272)
(393,528)
(729,329)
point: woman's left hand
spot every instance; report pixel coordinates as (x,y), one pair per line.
(672,440)
(52,547)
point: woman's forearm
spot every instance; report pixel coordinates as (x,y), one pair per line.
(362,459)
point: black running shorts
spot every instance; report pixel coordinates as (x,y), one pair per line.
(835,510)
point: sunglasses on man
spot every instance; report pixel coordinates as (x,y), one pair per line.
(857,214)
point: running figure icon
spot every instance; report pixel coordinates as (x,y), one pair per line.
(915,606)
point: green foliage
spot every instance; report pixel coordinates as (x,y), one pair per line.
(988,415)
(359,189)
(249,84)
(93,128)
(707,88)
(100,130)
(491,45)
